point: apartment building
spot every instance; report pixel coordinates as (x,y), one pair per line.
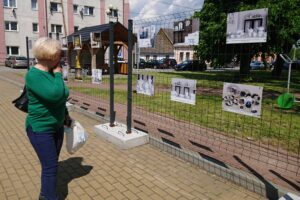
(55,18)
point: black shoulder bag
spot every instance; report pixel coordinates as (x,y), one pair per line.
(22,101)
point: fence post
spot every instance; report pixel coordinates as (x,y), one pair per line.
(27,52)
(111,74)
(129,81)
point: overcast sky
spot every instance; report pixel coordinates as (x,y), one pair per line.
(141,9)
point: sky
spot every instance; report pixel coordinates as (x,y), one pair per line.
(142,9)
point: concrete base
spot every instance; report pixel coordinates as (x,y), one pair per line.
(118,136)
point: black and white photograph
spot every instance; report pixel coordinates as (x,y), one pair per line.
(146,36)
(64,43)
(247,26)
(184,90)
(96,76)
(242,99)
(145,84)
(65,73)
(95,38)
(77,42)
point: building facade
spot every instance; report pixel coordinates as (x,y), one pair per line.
(53,18)
(186,37)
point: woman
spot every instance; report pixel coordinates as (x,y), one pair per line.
(47,111)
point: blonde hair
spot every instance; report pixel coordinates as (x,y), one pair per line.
(46,49)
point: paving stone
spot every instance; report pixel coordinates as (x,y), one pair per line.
(106,172)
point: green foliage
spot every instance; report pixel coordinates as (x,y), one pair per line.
(283,28)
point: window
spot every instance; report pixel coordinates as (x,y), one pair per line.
(35,27)
(181,56)
(10,50)
(56,28)
(187,55)
(10,3)
(34,5)
(55,7)
(155,57)
(75,9)
(76,28)
(11,26)
(88,10)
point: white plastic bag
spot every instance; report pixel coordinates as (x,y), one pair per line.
(75,137)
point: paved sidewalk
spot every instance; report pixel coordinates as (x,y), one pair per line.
(100,170)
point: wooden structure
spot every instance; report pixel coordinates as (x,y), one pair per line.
(97,54)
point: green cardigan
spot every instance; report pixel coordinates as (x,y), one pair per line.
(47,96)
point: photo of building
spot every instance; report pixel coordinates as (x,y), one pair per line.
(247,26)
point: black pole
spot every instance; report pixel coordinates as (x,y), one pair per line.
(111,73)
(27,52)
(129,82)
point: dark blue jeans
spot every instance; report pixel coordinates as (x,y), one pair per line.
(47,146)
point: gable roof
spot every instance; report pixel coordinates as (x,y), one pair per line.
(120,33)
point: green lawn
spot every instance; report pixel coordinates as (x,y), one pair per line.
(276,126)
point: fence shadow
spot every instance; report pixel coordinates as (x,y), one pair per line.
(68,170)
(286,180)
(271,191)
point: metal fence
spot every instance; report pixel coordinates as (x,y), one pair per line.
(271,139)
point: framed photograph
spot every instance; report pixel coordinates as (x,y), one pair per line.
(184,90)
(65,73)
(146,36)
(64,43)
(145,84)
(247,26)
(242,99)
(95,38)
(96,76)
(77,42)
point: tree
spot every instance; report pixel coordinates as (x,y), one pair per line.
(283,30)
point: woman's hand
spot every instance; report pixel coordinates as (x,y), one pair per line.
(68,121)
(57,69)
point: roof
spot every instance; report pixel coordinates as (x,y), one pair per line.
(120,33)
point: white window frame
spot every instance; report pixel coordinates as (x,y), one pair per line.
(54,29)
(34,2)
(77,9)
(9,51)
(10,25)
(86,10)
(37,26)
(58,7)
(9,4)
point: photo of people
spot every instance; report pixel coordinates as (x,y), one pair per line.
(184,90)
(95,39)
(146,36)
(145,84)
(64,43)
(77,42)
(247,26)
(242,99)
(96,76)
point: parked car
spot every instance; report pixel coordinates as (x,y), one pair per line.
(16,62)
(190,65)
(166,63)
(142,64)
(256,65)
(152,64)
